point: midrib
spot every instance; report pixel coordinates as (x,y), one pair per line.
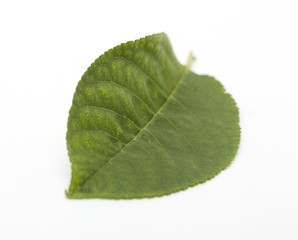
(187,67)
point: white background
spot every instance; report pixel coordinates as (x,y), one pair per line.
(252,48)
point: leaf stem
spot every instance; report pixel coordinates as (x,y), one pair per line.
(190,60)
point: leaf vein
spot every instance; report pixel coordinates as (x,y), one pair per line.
(108,109)
(144,128)
(96,131)
(144,72)
(112,81)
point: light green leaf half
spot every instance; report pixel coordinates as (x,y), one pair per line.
(143,125)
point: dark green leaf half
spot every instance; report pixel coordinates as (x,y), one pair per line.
(143,125)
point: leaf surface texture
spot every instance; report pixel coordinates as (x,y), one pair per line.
(143,125)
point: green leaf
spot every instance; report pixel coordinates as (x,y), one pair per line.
(143,125)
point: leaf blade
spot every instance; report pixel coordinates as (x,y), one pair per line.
(150,164)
